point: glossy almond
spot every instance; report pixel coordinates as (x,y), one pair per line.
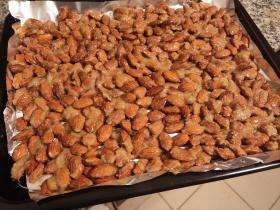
(77,123)
(76,167)
(54,149)
(104,133)
(20,151)
(24,135)
(80,182)
(37,173)
(82,103)
(103,170)
(150,152)
(62,177)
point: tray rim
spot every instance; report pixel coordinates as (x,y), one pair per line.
(172,181)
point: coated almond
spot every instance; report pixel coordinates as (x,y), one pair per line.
(165,141)
(182,154)
(82,103)
(76,167)
(156,127)
(104,133)
(78,149)
(103,170)
(77,123)
(147,82)
(174,127)
(20,151)
(193,128)
(55,106)
(155,115)
(171,76)
(139,121)
(54,149)
(24,135)
(181,139)
(176,100)
(62,177)
(69,140)
(37,173)
(20,124)
(80,182)
(37,118)
(150,152)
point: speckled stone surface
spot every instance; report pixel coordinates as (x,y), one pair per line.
(266,15)
(3,13)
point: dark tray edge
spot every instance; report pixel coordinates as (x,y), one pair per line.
(99,195)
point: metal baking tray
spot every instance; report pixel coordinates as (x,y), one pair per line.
(13,196)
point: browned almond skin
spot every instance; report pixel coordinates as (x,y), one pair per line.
(20,151)
(82,103)
(103,170)
(145,90)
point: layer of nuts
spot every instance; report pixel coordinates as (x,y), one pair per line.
(100,96)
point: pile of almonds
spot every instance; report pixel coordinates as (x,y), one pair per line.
(150,89)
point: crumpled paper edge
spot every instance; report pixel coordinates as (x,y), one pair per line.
(48,10)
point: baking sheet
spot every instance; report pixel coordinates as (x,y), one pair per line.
(48,10)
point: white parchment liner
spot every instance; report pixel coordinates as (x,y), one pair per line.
(48,10)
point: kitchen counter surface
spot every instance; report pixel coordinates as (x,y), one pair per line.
(3,13)
(266,15)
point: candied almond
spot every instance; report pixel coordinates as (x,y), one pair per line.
(82,103)
(104,133)
(103,170)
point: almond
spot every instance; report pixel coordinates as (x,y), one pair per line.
(165,141)
(80,182)
(41,155)
(24,135)
(37,173)
(48,137)
(139,121)
(104,133)
(20,124)
(115,117)
(174,127)
(78,149)
(181,139)
(150,152)
(37,118)
(103,170)
(156,127)
(62,177)
(171,76)
(20,151)
(54,149)
(183,154)
(89,139)
(147,82)
(76,167)
(55,106)
(69,140)
(82,103)
(193,128)
(46,90)
(77,123)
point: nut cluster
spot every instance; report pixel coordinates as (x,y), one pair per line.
(150,89)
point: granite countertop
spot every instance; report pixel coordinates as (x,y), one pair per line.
(3,13)
(265,13)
